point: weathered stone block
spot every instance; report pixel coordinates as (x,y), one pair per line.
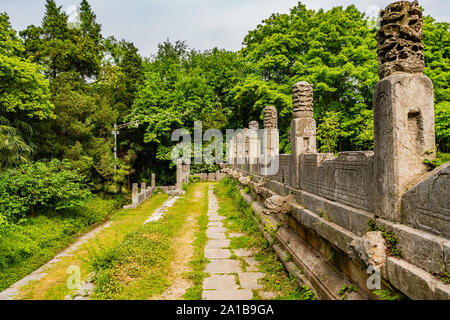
(404,137)
(447,256)
(420,248)
(411,280)
(442,291)
(347,179)
(427,204)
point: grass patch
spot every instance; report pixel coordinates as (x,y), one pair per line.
(198,262)
(53,286)
(240,218)
(27,246)
(139,267)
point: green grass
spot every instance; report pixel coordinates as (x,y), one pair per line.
(241,218)
(53,285)
(29,245)
(139,266)
(198,262)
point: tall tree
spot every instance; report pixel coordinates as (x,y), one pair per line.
(24,97)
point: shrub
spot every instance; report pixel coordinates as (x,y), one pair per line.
(31,187)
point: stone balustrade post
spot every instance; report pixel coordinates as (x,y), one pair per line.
(303,127)
(153,180)
(135,194)
(403,108)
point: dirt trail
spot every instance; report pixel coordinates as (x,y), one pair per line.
(182,244)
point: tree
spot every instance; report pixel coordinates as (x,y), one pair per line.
(329,132)
(24,96)
(335,50)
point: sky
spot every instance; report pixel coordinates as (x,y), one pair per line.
(204,24)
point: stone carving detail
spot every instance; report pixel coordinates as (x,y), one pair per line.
(270,118)
(400,39)
(244,181)
(302,100)
(278,205)
(253,126)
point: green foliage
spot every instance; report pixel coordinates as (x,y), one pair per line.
(346,290)
(33,187)
(27,91)
(329,132)
(445,277)
(386,294)
(28,245)
(442,125)
(441,158)
(334,50)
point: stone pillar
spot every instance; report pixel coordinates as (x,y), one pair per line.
(235,150)
(179,185)
(188,171)
(303,127)
(271,137)
(240,141)
(254,145)
(403,108)
(245,133)
(143,186)
(270,150)
(135,194)
(153,180)
(231,150)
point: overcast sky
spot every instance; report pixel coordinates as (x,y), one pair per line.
(204,24)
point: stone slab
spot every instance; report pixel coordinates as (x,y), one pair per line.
(220,282)
(235,235)
(411,280)
(215,217)
(216,229)
(252,264)
(217,253)
(223,266)
(216,235)
(243,294)
(215,224)
(217,244)
(249,280)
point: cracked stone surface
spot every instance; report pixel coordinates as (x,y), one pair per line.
(226,273)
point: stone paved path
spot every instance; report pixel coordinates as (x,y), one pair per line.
(227,280)
(158,214)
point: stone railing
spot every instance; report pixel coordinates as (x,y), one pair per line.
(137,197)
(333,201)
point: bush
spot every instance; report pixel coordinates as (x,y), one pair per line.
(32,187)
